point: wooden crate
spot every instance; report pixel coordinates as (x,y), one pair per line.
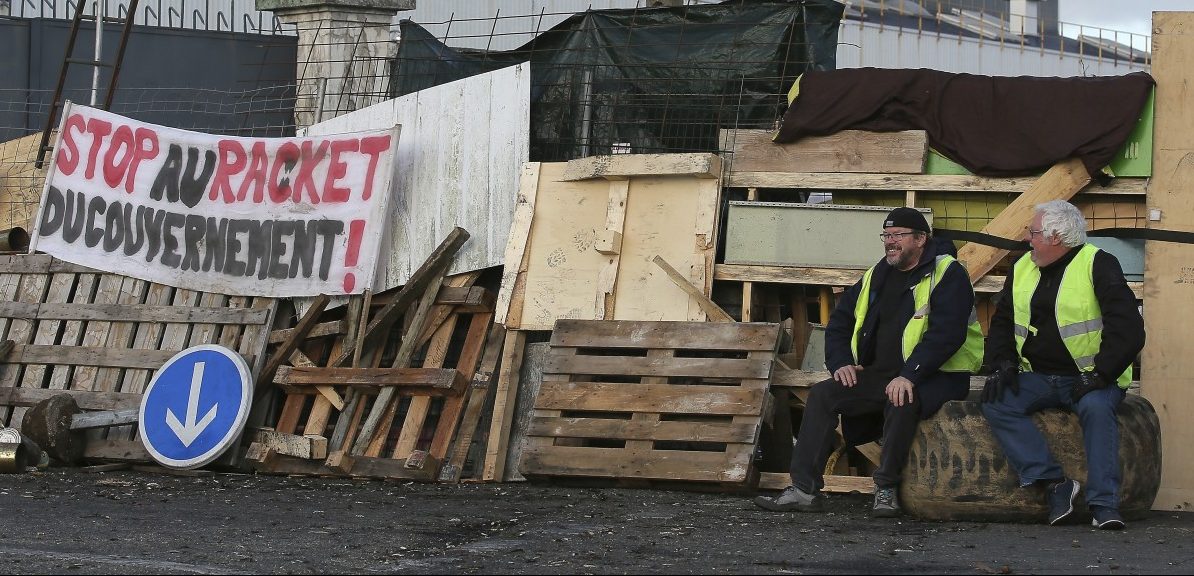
(100,337)
(651,400)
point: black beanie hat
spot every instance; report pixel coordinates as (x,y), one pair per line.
(907,218)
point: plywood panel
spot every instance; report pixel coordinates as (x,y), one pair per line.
(458,161)
(1166,364)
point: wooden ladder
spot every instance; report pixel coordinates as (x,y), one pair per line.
(68,59)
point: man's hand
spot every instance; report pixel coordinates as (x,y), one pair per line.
(847,375)
(1005,377)
(899,391)
(1090,381)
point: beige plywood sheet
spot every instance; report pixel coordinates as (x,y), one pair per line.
(562,266)
(21,182)
(1166,363)
(668,216)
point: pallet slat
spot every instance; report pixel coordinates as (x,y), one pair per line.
(679,335)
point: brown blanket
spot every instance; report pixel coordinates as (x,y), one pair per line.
(994,126)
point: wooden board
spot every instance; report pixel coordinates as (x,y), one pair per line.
(651,400)
(1166,363)
(846,151)
(669,216)
(919,182)
(100,337)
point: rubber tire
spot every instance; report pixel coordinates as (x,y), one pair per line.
(956,469)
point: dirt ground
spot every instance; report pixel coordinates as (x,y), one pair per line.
(136,522)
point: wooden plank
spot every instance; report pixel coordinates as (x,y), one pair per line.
(715,313)
(121,333)
(922,183)
(417,410)
(844,151)
(333,328)
(988,284)
(833,484)
(431,273)
(207,332)
(1060,182)
(620,463)
(470,356)
(623,166)
(91,356)
(307,447)
(308,321)
(434,380)
(678,335)
(149,335)
(478,391)
(659,398)
(104,418)
(503,408)
(58,294)
(607,278)
(25,263)
(701,431)
(1166,362)
(86,399)
(72,331)
(402,359)
(646,366)
(31,288)
(516,247)
(122,450)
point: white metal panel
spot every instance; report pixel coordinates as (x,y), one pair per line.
(459,155)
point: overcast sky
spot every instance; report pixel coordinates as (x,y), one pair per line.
(1124,15)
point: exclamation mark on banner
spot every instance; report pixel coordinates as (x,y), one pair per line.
(356,229)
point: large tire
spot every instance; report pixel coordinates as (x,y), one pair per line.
(957,471)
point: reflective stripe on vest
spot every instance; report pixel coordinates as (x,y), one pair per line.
(1079,318)
(968,358)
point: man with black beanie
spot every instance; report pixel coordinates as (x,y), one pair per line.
(901,342)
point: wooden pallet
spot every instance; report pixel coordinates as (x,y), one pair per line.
(651,400)
(100,337)
(426,414)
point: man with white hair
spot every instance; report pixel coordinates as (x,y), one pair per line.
(1065,332)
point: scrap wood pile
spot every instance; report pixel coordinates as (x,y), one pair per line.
(396,387)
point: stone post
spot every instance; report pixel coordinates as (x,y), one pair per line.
(344,53)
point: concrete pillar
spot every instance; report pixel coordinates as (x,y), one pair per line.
(344,53)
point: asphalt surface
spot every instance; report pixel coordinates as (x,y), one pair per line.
(127,522)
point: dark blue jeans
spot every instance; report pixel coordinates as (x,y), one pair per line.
(1028,451)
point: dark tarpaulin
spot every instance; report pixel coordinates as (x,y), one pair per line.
(650,80)
(994,126)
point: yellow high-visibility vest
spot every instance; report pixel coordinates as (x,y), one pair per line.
(1077,312)
(968,358)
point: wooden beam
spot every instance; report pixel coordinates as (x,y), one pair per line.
(508,308)
(431,270)
(715,313)
(282,354)
(1060,182)
(105,418)
(844,151)
(307,447)
(921,183)
(623,166)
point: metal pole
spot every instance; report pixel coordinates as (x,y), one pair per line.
(100,10)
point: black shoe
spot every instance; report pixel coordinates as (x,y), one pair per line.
(887,504)
(1106,519)
(1061,498)
(792,499)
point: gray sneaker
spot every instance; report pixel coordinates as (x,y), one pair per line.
(792,499)
(887,504)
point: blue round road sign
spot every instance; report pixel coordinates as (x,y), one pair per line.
(195,406)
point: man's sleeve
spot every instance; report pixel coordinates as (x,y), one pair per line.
(1001,342)
(840,330)
(1123,327)
(950,305)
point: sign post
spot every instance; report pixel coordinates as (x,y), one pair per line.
(195,406)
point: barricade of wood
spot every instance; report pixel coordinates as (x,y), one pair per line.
(407,407)
(680,401)
(100,337)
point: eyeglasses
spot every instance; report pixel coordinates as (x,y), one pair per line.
(1032,232)
(888,236)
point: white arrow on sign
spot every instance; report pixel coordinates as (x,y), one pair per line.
(191,430)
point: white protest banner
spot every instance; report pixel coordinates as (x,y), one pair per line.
(245,216)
